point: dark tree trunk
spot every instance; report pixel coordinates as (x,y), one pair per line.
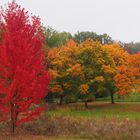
(61,96)
(86,104)
(61,100)
(119,97)
(12,119)
(13,127)
(112,98)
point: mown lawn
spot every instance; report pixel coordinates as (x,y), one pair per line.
(132,97)
(100,121)
(99,110)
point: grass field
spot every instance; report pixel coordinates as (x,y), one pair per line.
(133,97)
(99,110)
(100,121)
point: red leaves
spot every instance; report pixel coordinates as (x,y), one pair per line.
(23,77)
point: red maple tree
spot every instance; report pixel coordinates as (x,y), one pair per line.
(24,77)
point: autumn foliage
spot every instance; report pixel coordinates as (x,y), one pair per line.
(90,69)
(24,78)
(128,76)
(78,69)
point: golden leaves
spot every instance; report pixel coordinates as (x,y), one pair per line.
(75,70)
(83,88)
(93,63)
(108,69)
(99,79)
(117,53)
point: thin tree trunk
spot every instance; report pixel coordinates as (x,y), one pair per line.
(86,104)
(61,100)
(112,98)
(61,96)
(13,118)
(119,97)
(13,127)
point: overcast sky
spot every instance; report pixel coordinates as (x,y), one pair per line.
(118,18)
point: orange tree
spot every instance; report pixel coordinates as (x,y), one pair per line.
(65,70)
(134,70)
(119,57)
(85,70)
(78,71)
(127,78)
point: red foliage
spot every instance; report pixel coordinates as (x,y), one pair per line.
(24,78)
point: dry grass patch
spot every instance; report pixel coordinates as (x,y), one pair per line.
(73,122)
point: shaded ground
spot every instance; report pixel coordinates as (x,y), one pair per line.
(101,121)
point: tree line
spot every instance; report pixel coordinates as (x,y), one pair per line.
(89,70)
(53,38)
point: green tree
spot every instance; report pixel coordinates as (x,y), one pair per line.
(92,57)
(132,47)
(83,36)
(54,38)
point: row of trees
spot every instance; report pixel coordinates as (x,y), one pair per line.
(132,47)
(53,38)
(85,71)
(108,87)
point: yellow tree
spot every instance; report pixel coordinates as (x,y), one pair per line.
(120,58)
(64,68)
(93,56)
(118,54)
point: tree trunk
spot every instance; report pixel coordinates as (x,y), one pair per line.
(61,100)
(12,119)
(61,96)
(86,104)
(112,98)
(119,97)
(13,127)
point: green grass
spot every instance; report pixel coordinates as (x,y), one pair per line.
(99,110)
(133,97)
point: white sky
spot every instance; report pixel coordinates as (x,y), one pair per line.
(118,18)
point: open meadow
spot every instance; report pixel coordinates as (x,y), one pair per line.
(100,121)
